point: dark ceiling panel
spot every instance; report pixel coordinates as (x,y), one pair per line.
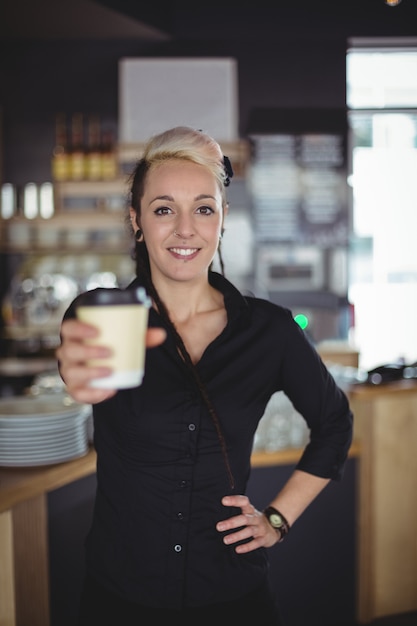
(75,19)
(157,13)
(246,20)
(181,21)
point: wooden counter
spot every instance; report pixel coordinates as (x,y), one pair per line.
(18,484)
(24,570)
(386,427)
(385,440)
(24,573)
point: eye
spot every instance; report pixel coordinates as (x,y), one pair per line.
(163,210)
(205,210)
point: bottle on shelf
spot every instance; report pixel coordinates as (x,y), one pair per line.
(78,151)
(30,201)
(93,165)
(8,201)
(60,156)
(109,167)
(46,200)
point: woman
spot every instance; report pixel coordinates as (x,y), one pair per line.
(173,535)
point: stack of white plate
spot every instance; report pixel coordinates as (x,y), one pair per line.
(42,430)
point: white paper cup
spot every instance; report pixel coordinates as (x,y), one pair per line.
(122,319)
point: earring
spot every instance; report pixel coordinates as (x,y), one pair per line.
(138,235)
(228,171)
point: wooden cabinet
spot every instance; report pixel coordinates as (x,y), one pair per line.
(24,569)
(386,427)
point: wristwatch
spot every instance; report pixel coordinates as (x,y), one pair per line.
(277,521)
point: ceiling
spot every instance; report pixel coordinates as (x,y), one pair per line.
(75,19)
(273,18)
(175,20)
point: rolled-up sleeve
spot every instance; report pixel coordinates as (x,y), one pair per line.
(324,406)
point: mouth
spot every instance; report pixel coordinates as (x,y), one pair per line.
(184,253)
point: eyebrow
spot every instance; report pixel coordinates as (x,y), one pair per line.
(202,196)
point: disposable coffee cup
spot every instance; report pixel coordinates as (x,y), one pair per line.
(121,316)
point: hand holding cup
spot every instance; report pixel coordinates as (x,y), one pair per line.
(104,348)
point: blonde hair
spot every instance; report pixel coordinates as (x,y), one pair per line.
(183,142)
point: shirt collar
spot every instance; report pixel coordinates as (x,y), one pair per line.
(234,301)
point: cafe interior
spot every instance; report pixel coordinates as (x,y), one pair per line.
(315,103)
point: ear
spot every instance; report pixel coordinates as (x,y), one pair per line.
(133,217)
(225,212)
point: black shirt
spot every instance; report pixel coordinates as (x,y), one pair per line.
(161,473)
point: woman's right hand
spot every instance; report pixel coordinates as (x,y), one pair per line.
(74,352)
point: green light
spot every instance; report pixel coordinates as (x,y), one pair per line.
(302,320)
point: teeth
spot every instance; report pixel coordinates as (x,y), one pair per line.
(184,251)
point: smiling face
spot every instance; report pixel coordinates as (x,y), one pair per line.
(181,219)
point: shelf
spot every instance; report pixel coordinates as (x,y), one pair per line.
(97,220)
(92,187)
(89,231)
(90,216)
(85,195)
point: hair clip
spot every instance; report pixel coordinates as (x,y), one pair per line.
(228,170)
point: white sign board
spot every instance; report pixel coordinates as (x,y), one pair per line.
(159,93)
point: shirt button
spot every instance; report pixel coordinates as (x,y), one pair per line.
(191,426)
(183,483)
(180,515)
(177,548)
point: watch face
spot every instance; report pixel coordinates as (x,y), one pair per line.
(276,520)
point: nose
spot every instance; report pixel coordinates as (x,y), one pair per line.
(184,228)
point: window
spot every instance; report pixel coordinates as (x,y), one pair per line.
(382,115)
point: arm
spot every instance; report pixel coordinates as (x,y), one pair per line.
(326,410)
(296,495)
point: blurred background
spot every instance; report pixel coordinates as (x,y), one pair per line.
(315,103)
